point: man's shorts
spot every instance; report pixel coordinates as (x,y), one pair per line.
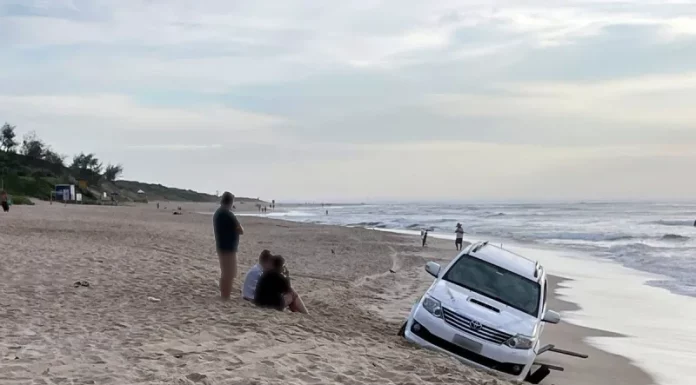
(226,246)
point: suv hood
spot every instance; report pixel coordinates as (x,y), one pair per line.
(509,320)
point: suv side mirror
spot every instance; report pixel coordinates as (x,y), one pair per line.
(551,317)
(433,269)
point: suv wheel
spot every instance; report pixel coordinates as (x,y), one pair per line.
(402,330)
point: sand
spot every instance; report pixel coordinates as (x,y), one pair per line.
(151,313)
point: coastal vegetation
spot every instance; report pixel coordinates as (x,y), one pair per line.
(30,168)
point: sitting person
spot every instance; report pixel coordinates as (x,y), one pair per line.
(273,289)
(252,277)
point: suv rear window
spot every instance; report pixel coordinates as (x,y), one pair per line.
(496,283)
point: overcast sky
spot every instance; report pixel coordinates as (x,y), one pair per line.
(364,100)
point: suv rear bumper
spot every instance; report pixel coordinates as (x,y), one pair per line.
(434,333)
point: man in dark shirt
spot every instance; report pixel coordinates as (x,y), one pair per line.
(227,231)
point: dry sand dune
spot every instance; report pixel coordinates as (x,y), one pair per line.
(111,333)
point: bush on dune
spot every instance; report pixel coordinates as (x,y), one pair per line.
(21,200)
(31,168)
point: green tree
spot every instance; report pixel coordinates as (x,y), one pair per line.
(112,172)
(53,157)
(87,162)
(32,146)
(7,135)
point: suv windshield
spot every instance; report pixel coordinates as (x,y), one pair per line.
(496,283)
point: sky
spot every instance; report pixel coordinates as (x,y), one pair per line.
(364,100)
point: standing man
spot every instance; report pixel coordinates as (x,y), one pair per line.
(227,232)
(459,236)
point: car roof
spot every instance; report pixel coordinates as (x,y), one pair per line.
(508,260)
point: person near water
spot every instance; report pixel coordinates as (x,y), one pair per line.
(424,236)
(459,233)
(227,232)
(252,277)
(4,201)
(274,291)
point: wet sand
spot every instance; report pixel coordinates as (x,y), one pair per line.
(111,333)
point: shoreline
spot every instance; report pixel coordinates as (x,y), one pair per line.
(624,313)
(601,367)
(581,335)
(592,369)
(110,332)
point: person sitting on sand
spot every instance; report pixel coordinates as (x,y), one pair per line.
(273,289)
(253,275)
(227,232)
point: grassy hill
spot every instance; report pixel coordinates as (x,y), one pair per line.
(23,176)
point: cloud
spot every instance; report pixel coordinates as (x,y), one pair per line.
(659,101)
(174,147)
(103,123)
(121,111)
(356,98)
(464,171)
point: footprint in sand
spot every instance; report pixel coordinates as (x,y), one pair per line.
(196,377)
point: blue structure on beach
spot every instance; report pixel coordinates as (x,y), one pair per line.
(65,192)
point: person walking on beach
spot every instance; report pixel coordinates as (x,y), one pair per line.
(424,236)
(3,201)
(459,232)
(227,232)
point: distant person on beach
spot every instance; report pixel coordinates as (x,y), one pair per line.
(253,275)
(227,232)
(459,232)
(3,201)
(274,291)
(424,236)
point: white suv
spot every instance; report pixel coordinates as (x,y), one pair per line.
(487,308)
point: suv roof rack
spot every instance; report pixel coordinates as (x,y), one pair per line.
(537,269)
(478,246)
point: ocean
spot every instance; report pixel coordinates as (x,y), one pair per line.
(632,265)
(658,238)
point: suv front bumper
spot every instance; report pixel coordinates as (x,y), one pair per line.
(432,332)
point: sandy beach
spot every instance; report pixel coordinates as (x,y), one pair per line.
(151,313)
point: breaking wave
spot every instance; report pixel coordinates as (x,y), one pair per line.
(687,222)
(675,237)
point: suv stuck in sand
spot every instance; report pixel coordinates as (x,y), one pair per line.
(487,308)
